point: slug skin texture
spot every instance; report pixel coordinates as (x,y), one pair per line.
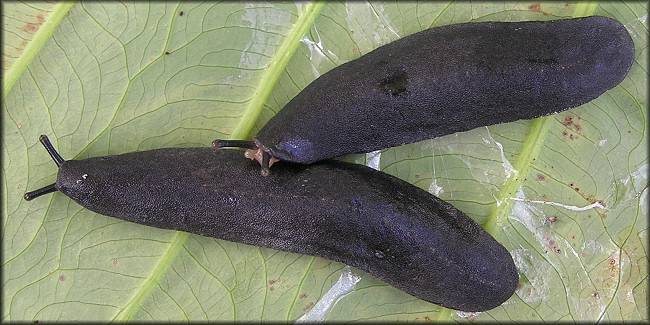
(450,79)
(344,212)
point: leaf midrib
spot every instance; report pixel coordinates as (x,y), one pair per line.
(270,77)
(530,151)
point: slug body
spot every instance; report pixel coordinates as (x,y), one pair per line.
(450,79)
(349,213)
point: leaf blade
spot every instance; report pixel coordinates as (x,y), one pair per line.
(44,32)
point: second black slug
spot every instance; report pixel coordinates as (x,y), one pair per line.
(444,80)
(344,212)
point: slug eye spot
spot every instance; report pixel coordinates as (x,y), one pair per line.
(84,176)
(394,84)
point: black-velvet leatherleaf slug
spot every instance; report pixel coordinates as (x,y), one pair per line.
(344,212)
(444,80)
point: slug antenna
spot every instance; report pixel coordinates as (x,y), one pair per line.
(57,159)
(248,144)
(40,192)
(266,159)
(50,149)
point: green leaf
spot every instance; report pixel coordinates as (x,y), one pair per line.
(26,28)
(566,194)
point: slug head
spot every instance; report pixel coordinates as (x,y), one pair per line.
(73,181)
(72,177)
(254,151)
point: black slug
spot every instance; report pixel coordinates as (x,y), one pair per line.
(344,212)
(444,80)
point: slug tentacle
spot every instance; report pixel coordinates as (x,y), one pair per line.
(40,192)
(266,163)
(248,144)
(58,160)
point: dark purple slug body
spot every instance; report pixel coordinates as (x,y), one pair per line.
(448,79)
(344,212)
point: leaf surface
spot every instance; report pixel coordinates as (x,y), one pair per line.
(566,194)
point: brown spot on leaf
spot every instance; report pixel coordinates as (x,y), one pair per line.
(534,7)
(568,120)
(31,27)
(309,305)
(573,126)
(577,127)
